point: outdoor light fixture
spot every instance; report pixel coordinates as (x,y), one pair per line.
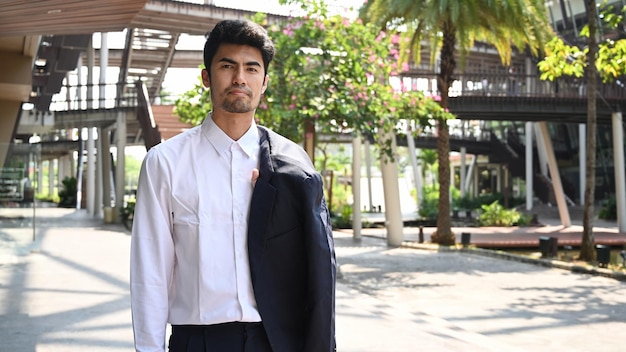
(41,62)
(34,139)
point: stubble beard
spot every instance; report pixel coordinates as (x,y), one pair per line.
(238,106)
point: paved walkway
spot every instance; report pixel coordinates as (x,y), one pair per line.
(68,291)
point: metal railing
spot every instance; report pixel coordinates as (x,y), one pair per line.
(94,96)
(109,96)
(516,85)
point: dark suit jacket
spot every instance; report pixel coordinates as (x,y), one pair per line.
(290,245)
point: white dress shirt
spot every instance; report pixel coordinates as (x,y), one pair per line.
(189,259)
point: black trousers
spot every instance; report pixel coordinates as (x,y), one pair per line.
(228,337)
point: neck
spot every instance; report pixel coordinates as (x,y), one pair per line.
(234,125)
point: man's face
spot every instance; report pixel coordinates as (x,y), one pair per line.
(237,78)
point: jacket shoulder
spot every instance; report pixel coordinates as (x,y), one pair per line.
(284,151)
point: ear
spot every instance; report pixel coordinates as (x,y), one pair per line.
(265,81)
(205,78)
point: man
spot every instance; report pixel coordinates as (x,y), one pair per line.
(231,240)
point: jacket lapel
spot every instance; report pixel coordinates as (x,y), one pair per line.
(262,200)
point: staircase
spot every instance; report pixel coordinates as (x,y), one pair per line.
(513,154)
(167,123)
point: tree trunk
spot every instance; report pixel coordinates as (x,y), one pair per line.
(444,235)
(587,250)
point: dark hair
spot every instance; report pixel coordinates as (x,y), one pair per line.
(238,32)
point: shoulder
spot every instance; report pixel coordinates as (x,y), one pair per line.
(170,150)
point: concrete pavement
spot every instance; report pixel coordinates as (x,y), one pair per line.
(68,291)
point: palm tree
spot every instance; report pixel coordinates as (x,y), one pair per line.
(452,25)
(428,157)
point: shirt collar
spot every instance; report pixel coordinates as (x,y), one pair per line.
(249,142)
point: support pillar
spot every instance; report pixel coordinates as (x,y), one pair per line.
(120,177)
(618,155)
(104,64)
(391,189)
(106,168)
(529,165)
(98,211)
(420,179)
(368,172)
(91,172)
(413,157)
(582,160)
(61,172)
(90,65)
(541,151)
(463,171)
(51,177)
(555,176)
(356,188)
(39,188)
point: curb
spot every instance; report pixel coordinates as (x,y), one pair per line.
(551,263)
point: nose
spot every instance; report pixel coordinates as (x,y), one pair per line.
(239,78)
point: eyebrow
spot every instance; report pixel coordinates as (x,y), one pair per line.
(231,61)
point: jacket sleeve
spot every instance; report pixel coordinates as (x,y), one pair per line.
(152,257)
(322,271)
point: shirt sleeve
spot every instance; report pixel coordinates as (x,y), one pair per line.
(152,255)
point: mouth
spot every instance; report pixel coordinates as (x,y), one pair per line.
(239,92)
